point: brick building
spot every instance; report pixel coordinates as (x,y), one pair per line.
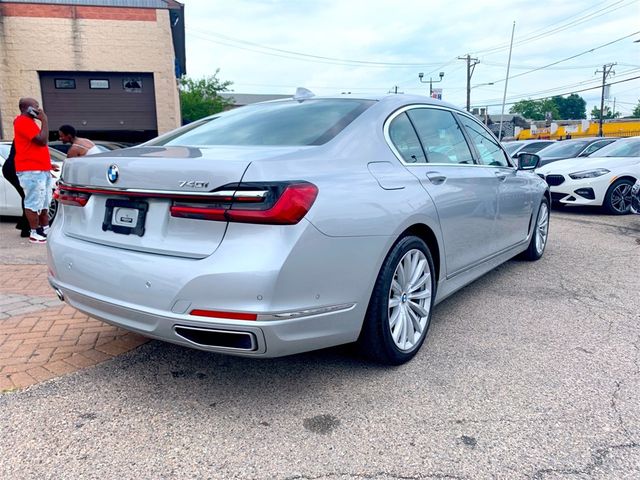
(108,67)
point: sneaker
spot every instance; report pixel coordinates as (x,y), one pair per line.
(42,231)
(35,237)
(46,229)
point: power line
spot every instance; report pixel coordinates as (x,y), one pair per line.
(293,54)
(559,94)
(570,58)
(562,87)
(527,67)
(587,18)
(498,48)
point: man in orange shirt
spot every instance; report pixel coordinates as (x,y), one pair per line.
(33,165)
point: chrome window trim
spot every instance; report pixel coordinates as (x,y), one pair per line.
(498,142)
(397,154)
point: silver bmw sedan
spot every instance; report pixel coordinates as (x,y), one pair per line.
(295,225)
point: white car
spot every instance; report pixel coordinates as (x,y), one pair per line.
(605,180)
(10,202)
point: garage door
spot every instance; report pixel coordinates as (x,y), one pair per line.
(99,101)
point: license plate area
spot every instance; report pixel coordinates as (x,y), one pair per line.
(125,217)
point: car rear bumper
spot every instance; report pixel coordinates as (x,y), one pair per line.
(273,338)
(309,291)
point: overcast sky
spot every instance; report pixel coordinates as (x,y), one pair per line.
(370,47)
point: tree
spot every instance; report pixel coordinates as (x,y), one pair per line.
(200,98)
(608,114)
(536,109)
(636,111)
(572,107)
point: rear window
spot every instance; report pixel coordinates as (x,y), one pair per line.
(566,148)
(535,147)
(621,148)
(296,123)
(511,147)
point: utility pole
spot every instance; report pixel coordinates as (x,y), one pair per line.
(471,66)
(606,71)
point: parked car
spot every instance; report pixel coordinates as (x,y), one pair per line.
(605,180)
(572,148)
(10,202)
(529,146)
(102,146)
(294,225)
(635,198)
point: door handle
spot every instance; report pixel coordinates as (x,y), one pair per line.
(501,176)
(436,178)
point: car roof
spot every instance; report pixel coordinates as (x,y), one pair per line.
(391,100)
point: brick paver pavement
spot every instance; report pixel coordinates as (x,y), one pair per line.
(41,337)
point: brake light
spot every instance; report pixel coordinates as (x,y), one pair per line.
(273,204)
(68,197)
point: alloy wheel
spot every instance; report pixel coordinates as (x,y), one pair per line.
(542,228)
(620,198)
(410,300)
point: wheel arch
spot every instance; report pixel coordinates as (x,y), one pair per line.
(624,177)
(426,234)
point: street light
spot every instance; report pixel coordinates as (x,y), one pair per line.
(431,81)
(481,85)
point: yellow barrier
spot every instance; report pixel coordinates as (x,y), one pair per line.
(609,129)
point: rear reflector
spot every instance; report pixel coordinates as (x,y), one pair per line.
(227,315)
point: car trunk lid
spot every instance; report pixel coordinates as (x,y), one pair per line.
(129,194)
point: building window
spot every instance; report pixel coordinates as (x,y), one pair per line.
(99,84)
(65,83)
(132,84)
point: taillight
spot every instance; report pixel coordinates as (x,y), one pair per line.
(273,203)
(71,197)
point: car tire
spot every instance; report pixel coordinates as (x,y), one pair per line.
(617,200)
(400,308)
(540,234)
(53,211)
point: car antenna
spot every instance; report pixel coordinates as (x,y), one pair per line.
(303,94)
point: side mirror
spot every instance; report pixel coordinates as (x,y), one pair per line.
(528,161)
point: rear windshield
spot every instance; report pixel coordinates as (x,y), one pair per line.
(566,148)
(621,148)
(511,147)
(291,122)
(535,147)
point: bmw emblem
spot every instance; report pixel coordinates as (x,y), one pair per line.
(113,173)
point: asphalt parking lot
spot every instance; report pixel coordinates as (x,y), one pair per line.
(532,372)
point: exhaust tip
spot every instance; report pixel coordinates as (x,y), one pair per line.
(59,294)
(227,339)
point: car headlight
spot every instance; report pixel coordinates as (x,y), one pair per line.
(598,172)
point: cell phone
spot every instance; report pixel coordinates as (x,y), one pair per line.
(33,112)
